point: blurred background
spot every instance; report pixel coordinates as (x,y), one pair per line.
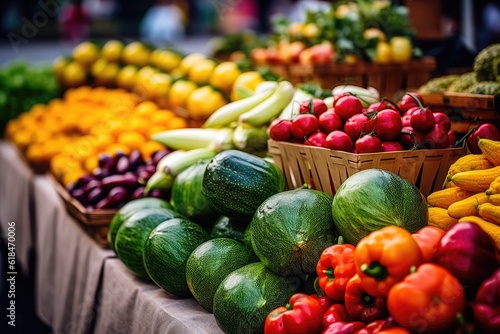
(37,30)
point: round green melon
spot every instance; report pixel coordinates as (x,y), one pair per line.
(167,250)
(235,183)
(247,295)
(134,232)
(187,197)
(290,230)
(374,198)
(227,227)
(210,263)
(128,210)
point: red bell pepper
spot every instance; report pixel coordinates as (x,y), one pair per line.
(362,306)
(428,238)
(302,314)
(394,330)
(335,313)
(342,327)
(372,328)
(324,300)
(381,325)
(487,304)
(335,268)
(428,300)
(385,257)
(468,253)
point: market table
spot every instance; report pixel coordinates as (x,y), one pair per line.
(127,304)
(81,287)
(16,203)
(69,264)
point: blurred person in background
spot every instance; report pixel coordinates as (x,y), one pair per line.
(163,23)
(74,21)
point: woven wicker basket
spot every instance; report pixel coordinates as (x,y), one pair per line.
(465,110)
(327,169)
(388,79)
(94,222)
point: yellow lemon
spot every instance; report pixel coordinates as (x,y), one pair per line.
(203,101)
(112,50)
(86,53)
(136,53)
(201,71)
(74,75)
(224,75)
(168,60)
(126,77)
(189,61)
(179,92)
(248,80)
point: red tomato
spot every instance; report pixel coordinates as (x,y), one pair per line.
(405,120)
(486,130)
(407,101)
(368,144)
(390,146)
(347,106)
(379,106)
(422,120)
(339,140)
(316,139)
(329,121)
(304,125)
(442,118)
(281,130)
(314,106)
(355,125)
(437,137)
(388,124)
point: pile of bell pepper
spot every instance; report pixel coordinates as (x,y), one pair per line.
(393,281)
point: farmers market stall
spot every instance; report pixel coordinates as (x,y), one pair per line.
(80,286)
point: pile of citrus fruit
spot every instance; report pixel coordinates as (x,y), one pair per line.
(69,133)
(192,85)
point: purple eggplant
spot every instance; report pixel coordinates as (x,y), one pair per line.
(72,186)
(89,186)
(84,179)
(158,155)
(468,253)
(144,174)
(116,196)
(158,194)
(135,160)
(138,193)
(126,180)
(122,165)
(95,195)
(78,194)
(106,161)
(101,173)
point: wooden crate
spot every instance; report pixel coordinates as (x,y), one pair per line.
(94,222)
(389,79)
(327,169)
(465,110)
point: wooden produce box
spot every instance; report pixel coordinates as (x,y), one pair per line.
(465,110)
(327,169)
(389,79)
(94,222)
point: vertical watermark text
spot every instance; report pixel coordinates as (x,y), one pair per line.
(11,273)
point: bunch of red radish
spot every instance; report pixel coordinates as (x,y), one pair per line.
(381,127)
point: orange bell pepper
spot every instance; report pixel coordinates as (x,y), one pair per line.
(385,257)
(428,238)
(427,301)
